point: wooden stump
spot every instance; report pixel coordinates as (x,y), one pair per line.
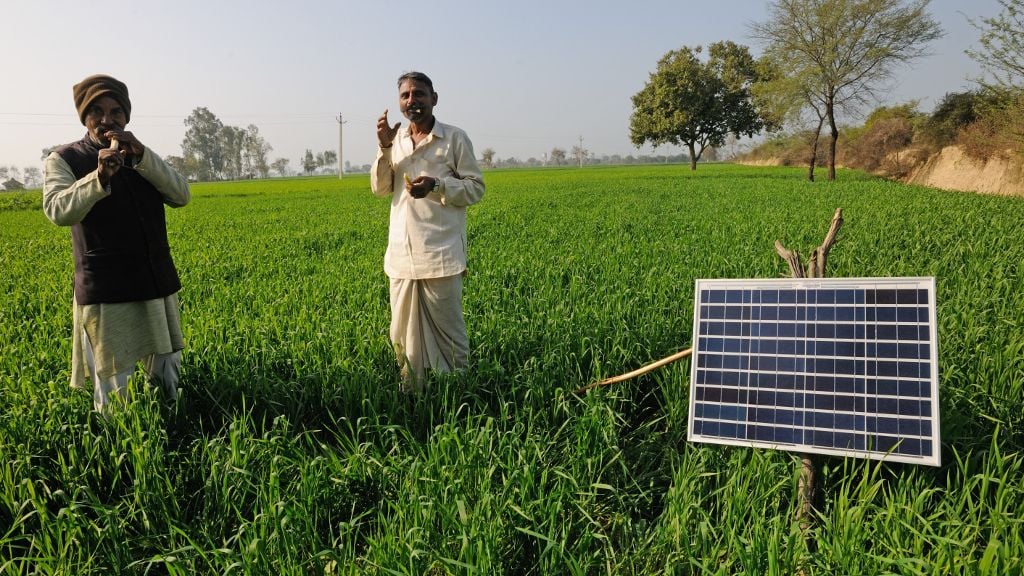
(807,487)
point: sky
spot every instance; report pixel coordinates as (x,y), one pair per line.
(519,77)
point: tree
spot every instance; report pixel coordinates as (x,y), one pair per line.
(687,101)
(784,95)
(280,166)
(212,150)
(330,160)
(580,154)
(557,156)
(840,53)
(33,177)
(1002,45)
(202,144)
(309,162)
(256,151)
(232,144)
(488,157)
(326,159)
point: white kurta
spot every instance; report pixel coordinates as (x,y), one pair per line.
(427,236)
(124,333)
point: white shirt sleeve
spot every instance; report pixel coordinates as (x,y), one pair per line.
(171,185)
(66,201)
(382,173)
(466,187)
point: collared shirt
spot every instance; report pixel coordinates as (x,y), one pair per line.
(427,236)
(120,334)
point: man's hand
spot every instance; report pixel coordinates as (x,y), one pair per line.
(419,187)
(129,144)
(109,162)
(385,132)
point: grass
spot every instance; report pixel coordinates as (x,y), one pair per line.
(291,452)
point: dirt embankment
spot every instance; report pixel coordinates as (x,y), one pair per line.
(951,169)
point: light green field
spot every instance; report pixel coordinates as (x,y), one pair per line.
(291,452)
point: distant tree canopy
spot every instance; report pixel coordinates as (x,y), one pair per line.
(213,151)
(33,177)
(687,101)
(281,166)
(838,53)
(326,159)
(201,147)
(1002,45)
(558,156)
(488,157)
(309,163)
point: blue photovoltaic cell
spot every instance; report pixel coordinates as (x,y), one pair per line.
(844,366)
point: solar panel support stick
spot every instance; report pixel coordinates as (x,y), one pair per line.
(807,486)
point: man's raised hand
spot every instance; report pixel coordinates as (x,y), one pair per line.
(385,132)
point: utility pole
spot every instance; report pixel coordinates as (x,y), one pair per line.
(581,153)
(341,165)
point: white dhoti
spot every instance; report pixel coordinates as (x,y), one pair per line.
(162,371)
(428,329)
(110,339)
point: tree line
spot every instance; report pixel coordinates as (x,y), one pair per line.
(14,178)
(559,157)
(822,58)
(212,150)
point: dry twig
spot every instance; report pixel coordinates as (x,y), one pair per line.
(639,371)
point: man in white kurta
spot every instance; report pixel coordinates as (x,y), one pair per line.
(108,187)
(431,173)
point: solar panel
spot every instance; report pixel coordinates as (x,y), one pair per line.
(841,366)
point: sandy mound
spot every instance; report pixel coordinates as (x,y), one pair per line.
(951,169)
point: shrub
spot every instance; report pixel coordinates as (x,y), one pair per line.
(878,148)
(955,112)
(999,128)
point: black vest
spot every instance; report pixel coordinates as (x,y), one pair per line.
(121,250)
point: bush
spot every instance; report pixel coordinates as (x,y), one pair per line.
(878,148)
(998,129)
(955,112)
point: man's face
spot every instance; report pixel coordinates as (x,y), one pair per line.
(103,114)
(416,101)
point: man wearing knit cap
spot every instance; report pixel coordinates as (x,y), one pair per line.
(111,190)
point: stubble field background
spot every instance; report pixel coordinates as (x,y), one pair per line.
(290,450)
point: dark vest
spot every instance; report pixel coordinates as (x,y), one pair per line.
(121,250)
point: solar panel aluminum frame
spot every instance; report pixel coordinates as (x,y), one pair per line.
(742,402)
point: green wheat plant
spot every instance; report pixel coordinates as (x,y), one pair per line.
(291,451)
